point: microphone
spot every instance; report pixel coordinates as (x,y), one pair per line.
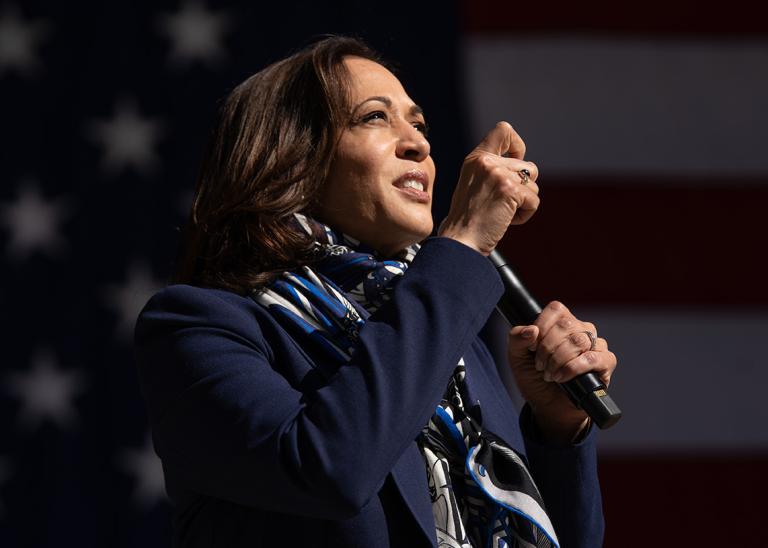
(586,391)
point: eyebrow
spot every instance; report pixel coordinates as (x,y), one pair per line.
(415,109)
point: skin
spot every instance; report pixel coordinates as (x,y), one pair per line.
(387,139)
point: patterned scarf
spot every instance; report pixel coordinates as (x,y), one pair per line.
(481,490)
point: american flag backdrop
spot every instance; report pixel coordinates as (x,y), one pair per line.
(649,126)
(105,111)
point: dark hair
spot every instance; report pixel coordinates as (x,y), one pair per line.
(267,159)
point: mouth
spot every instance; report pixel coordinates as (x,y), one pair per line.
(414,184)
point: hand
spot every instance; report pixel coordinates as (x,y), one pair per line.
(554,350)
(490,195)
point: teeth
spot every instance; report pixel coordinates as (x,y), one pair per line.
(410,183)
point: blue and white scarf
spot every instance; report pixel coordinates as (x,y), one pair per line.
(481,490)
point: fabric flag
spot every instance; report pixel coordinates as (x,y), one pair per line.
(106,108)
(649,128)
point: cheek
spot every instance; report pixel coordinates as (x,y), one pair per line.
(366,162)
(348,192)
(358,172)
(433,175)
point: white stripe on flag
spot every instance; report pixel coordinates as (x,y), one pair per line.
(589,106)
(686,380)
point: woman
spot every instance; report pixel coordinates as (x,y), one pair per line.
(315,378)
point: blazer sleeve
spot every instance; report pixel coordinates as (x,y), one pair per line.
(227,424)
(567,479)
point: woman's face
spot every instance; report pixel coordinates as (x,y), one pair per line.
(380,184)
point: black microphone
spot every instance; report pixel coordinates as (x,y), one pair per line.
(586,391)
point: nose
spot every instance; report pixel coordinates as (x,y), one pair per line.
(413,144)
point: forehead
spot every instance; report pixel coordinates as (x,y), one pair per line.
(367,78)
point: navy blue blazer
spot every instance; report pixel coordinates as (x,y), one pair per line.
(265,443)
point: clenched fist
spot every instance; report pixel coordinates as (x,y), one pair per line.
(492,191)
(555,349)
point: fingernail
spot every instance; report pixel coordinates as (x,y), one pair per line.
(539,365)
(527,333)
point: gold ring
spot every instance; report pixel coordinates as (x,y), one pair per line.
(592,339)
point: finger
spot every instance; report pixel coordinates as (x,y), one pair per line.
(600,363)
(503,140)
(601,345)
(573,345)
(515,165)
(519,340)
(561,327)
(525,202)
(528,204)
(569,349)
(531,185)
(557,316)
(550,315)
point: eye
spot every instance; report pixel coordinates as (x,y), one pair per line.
(423,127)
(375,115)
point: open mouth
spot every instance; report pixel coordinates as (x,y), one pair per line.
(414,184)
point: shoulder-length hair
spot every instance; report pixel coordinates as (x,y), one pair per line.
(267,158)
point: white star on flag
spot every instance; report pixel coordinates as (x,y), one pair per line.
(33,222)
(195,34)
(18,39)
(46,392)
(127,299)
(128,138)
(147,470)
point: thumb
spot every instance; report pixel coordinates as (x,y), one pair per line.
(502,140)
(521,340)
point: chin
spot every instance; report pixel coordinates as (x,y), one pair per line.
(402,229)
(426,231)
(416,230)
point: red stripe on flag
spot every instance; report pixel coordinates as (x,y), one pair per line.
(656,16)
(684,500)
(647,244)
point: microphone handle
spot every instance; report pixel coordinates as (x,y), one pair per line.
(586,391)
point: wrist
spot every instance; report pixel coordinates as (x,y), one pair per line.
(469,242)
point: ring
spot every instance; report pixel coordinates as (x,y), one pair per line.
(525,175)
(592,339)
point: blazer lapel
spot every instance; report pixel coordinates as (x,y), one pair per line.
(411,479)
(497,417)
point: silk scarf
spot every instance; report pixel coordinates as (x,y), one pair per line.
(481,490)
